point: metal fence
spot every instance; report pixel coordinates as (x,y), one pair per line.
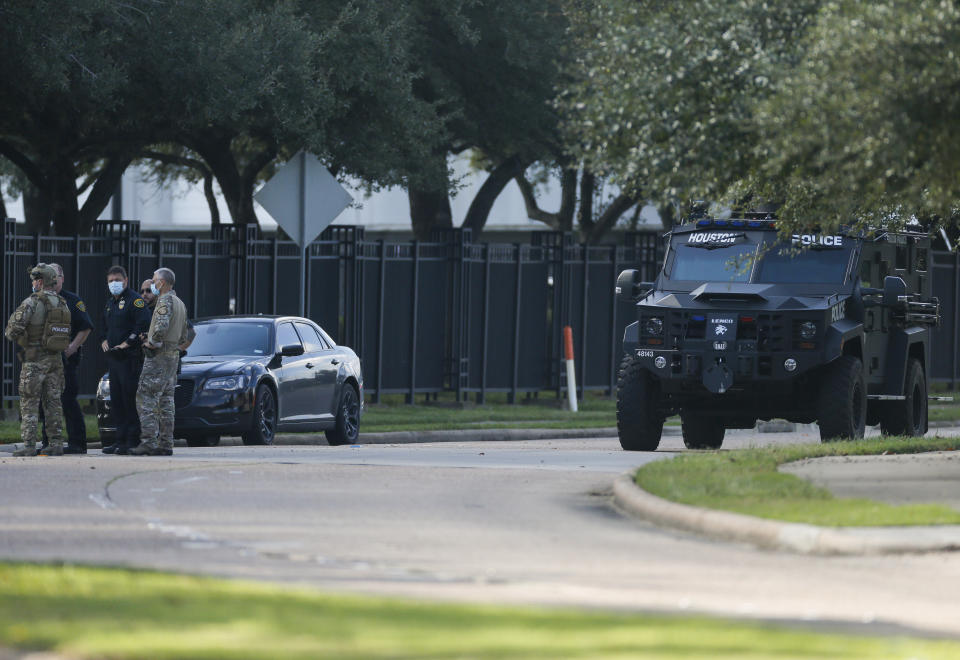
(424,317)
(446,315)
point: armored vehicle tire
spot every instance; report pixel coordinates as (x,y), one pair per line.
(701,431)
(638,423)
(842,401)
(907,417)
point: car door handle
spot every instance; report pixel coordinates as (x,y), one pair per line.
(309,365)
(334,361)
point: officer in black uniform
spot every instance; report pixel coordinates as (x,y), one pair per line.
(80,328)
(125,319)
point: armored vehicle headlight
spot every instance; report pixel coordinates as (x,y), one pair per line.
(808,330)
(654,326)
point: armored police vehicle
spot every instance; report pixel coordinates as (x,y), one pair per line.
(741,325)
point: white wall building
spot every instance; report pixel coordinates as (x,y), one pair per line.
(183,207)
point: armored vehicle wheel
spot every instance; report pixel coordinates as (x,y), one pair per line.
(701,431)
(908,417)
(638,423)
(842,401)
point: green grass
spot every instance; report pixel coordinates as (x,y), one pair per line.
(596,411)
(747,481)
(106,613)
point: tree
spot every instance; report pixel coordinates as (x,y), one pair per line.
(490,67)
(62,69)
(866,128)
(663,94)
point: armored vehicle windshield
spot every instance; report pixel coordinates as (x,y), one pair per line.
(758,257)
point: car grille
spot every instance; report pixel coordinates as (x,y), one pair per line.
(183,394)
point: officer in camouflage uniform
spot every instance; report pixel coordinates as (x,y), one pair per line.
(168,330)
(41,376)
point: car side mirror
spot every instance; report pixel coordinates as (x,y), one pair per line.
(291,350)
(893,288)
(630,288)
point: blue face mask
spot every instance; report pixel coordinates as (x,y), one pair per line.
(116,288)
(154,290)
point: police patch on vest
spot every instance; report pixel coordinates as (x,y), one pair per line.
(122,303)
(81,306)
(18,316)
(162,310)
(137,303)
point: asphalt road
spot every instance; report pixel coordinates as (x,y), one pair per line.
(518,522)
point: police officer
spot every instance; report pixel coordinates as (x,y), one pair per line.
(80,328)
(146,292)
(168,331)
(41,326)
(125,318)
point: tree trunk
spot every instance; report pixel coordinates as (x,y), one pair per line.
(62,193)
(36,210)
(620,205)
(104,187)
(480,207)
(236,185)
(429,210)
(588,183)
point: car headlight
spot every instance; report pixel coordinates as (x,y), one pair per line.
(225,383)
(103,389)
(808,330)
(654,326)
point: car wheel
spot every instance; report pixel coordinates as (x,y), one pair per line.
(842,403)
(908,417)
(639,425)
(264,424)
(701,432)
(347,428)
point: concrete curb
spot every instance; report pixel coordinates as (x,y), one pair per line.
(412,437)
(795,537)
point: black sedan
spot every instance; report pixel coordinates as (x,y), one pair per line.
(256,376)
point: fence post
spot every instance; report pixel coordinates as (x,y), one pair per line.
(195,294)
(413,322)
(613,324)
(486,324)
(8,289)
(516,322)
(383,279)
(956,317)
(582,385)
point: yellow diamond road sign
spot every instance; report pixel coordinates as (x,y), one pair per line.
(303,197)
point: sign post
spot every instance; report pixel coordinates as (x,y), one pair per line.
(304,198)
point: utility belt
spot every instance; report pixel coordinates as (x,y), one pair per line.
(34,353)
(166,348)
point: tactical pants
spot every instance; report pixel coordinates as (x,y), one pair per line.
(155,399)
(72,413)
(41,381)
(123,401)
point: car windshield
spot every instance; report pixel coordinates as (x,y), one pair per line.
(709,262)
(818,264)
(231,338)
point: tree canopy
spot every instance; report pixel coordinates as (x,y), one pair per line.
(841,111)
